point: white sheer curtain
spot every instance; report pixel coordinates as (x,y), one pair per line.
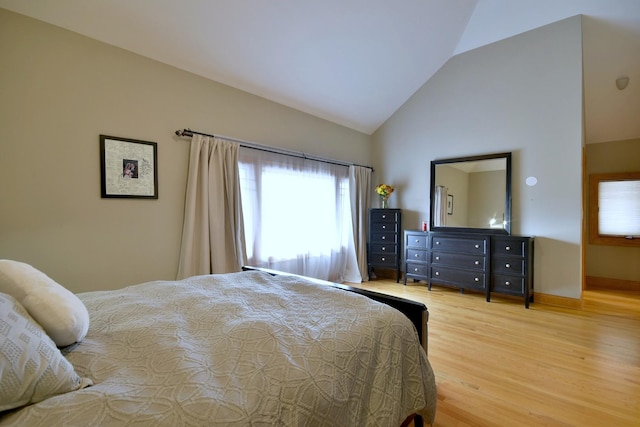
(297,214)
(360,191)
(440,207)
(212,232)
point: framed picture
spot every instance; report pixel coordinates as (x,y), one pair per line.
(128,168)
(449,204)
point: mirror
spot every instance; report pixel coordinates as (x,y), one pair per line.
(471,194)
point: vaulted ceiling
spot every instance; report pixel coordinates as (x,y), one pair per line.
(353,62)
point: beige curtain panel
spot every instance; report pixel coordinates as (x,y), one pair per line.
(360,191)
(212,233)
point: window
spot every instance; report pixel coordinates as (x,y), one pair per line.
(297,215)
(614,209)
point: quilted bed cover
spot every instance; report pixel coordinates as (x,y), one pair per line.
(241,349)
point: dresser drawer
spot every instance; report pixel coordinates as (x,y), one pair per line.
(460,278)
(417,255)
(417,269)
(514,247)
(381,260)
(384,215)
(452,259)
(471,245)
(384,237)
(384,248)
(384,227)
(510,285)
(416,240)
(508,265)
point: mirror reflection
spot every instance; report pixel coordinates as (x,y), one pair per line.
(472,193)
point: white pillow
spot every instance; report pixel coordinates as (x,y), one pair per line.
(60,313)
(33,369)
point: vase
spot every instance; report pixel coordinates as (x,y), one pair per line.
(385,203)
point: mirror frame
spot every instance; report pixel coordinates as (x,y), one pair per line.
(507,212)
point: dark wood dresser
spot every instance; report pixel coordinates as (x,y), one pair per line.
(483,263)
(384,247)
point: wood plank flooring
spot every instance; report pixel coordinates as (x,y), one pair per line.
(499,364)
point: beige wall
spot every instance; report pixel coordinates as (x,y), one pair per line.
(457,184)
(475,200)
(524,95)
(610,114)
(58,92)
(613,262)
(487,195)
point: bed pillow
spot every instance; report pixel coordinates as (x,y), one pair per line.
(60,313)
(33,369)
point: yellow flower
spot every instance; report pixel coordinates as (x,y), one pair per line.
(384,190)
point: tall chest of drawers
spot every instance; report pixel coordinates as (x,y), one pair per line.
(384,240)
(478,262)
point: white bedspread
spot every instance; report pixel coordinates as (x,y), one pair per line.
(241,349)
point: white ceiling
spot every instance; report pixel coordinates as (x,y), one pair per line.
(353,62)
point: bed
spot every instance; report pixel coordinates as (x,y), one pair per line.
(247,348)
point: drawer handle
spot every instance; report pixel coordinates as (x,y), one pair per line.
(437,258)
(437,242)
(477,279)
(415,269)
(384,237)
(384,249)
(384,216)
(383,259)
(417,255)
(508,248)
(507,265)
(507,283)
(477,246)
(417,241)
(437,273)
(477,263)
(384,227)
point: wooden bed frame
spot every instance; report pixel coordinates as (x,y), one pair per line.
(415,311)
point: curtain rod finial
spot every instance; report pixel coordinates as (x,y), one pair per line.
(184,132)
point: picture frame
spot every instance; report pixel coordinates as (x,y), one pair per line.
(128,168)
(450,204)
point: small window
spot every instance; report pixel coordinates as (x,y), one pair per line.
(614,209)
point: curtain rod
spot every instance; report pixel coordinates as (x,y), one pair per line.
(188,133)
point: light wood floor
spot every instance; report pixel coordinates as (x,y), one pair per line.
(499,364)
